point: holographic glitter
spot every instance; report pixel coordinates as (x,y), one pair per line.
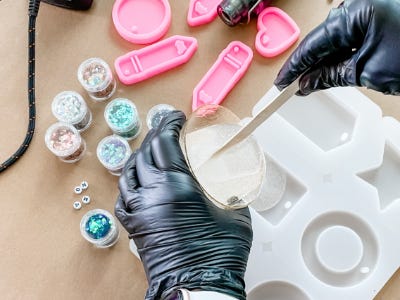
(96,77)
(113,152)
(122,117)
(157,113)
(98,226)
(65,142)
(71,108)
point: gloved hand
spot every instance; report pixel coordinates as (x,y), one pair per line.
(357,45)
(184,241)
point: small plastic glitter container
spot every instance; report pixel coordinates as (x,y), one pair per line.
(96,77)
(70,107)
(99,227)
(65,142)
(113,151)
(157,113)
(122,117)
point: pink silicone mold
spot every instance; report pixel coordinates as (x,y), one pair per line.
(231,65)
(202,11)
(141,21)
(276,32)
(151,60)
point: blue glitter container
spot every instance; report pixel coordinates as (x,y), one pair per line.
(113,151)
(99,227)
(122,117)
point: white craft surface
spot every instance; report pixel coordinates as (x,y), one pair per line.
(334,234)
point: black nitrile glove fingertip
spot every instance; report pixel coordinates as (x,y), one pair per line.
(174,120)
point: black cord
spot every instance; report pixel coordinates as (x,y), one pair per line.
(33,11)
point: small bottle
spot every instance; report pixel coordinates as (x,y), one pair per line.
(122,117)
(70,107)
(99,227)
(157,113)
(233,12)
(113,152)
(96,77)
(65,142)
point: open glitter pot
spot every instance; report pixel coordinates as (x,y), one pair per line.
(113,152)
(70,107)
(96,77)
(233,178)
(65,142)
(122,117)
(99,227)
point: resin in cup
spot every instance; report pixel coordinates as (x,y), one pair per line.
(233,178)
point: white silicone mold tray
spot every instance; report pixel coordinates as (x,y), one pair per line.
(333,231)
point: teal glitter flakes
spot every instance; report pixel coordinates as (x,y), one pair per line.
(122,117)
(113,151)
(98,227)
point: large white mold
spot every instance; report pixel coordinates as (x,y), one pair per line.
(333,234)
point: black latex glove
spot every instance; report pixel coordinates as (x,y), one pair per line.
(182,238)
(357,45)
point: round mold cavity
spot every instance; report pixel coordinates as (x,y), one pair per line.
(277,290)
(142,21)
(347,256)
(339,249)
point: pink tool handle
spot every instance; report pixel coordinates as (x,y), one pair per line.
(202,11)
(149,61)
(231,65)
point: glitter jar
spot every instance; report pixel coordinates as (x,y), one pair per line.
(113,151)
(96,77)
(70,107)
(64,141)
(122,117)
(99,227)
(157,113)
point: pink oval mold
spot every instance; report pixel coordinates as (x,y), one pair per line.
(141,21)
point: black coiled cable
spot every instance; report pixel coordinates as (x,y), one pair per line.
(33,11)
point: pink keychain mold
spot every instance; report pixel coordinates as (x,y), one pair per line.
(141,21)
(231,65)
(276,32)
(202,11)
(151,60)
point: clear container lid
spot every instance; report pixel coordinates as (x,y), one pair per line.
(121,115)
(94,74)
(69,107)
(97,226)
(233,178)
(113,152)
(157,113)
(62,139)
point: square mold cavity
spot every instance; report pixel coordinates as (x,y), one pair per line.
(279,194)
(321,118)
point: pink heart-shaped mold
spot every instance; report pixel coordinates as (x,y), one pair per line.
(276,32)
